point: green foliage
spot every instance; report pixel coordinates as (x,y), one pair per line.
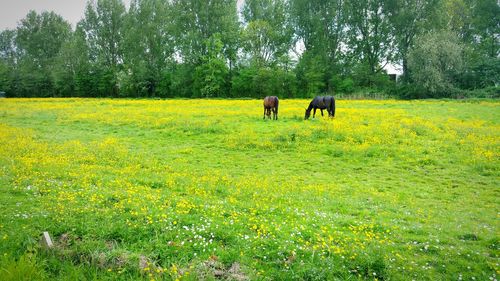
(258,82)
(268,33)
(342,84)
(434,61)
(486,27)
(408,19)
(292,48)
(211,75)
(369,36)
(320,26)
(39,38)
(198,20)
(148,48)
(479,73)
(311,73)
(103,28)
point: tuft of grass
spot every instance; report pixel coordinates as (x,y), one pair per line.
(26,267)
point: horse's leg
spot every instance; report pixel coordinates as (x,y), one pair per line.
(321,111)
(264,113)
(314,112)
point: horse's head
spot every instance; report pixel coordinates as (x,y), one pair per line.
(308,113)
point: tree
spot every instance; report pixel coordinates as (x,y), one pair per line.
(39,39)
(8,59)
(458,17)
(370,37)
(312,74)
(148,45)
(477,24)
(410,18)
(289,48)
(72,72)
(434,62)
(210,76)
(103,29)
(196,22)
(321,27)
(486,27)
(268,33)
(258,42)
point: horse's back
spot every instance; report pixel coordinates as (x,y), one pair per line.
(329,100)
(271,101)
(318,102)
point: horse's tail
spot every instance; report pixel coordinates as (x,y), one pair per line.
(333,106)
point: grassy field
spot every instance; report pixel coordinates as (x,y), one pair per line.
(206,189)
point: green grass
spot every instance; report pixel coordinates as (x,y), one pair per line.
(206,189)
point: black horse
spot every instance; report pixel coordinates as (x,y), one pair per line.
(271,103)
(327,102)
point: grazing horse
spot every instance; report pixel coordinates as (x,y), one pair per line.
(271,103)
(327,102)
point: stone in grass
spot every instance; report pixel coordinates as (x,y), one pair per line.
(143,262)
(146,265)
(236,273)
(221,272)
(46,241)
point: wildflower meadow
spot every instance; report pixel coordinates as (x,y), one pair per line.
(208,190)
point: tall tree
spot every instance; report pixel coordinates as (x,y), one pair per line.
(210,78)
(197,21)
(8,60)
(72,73)
(268,33)
(8,46)
(148,45)
(409,18)
(477,22)
(486,27)
(320,26)
(39,40)
(370,37)
(103,28)
(457,17)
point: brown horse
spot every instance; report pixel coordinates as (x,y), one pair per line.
(271,103)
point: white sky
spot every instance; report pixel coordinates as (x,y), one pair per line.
(12,11)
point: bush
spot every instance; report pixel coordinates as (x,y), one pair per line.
(434,62)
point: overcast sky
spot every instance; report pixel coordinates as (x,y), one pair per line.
(12,11)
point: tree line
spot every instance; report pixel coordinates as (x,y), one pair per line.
(288,48)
